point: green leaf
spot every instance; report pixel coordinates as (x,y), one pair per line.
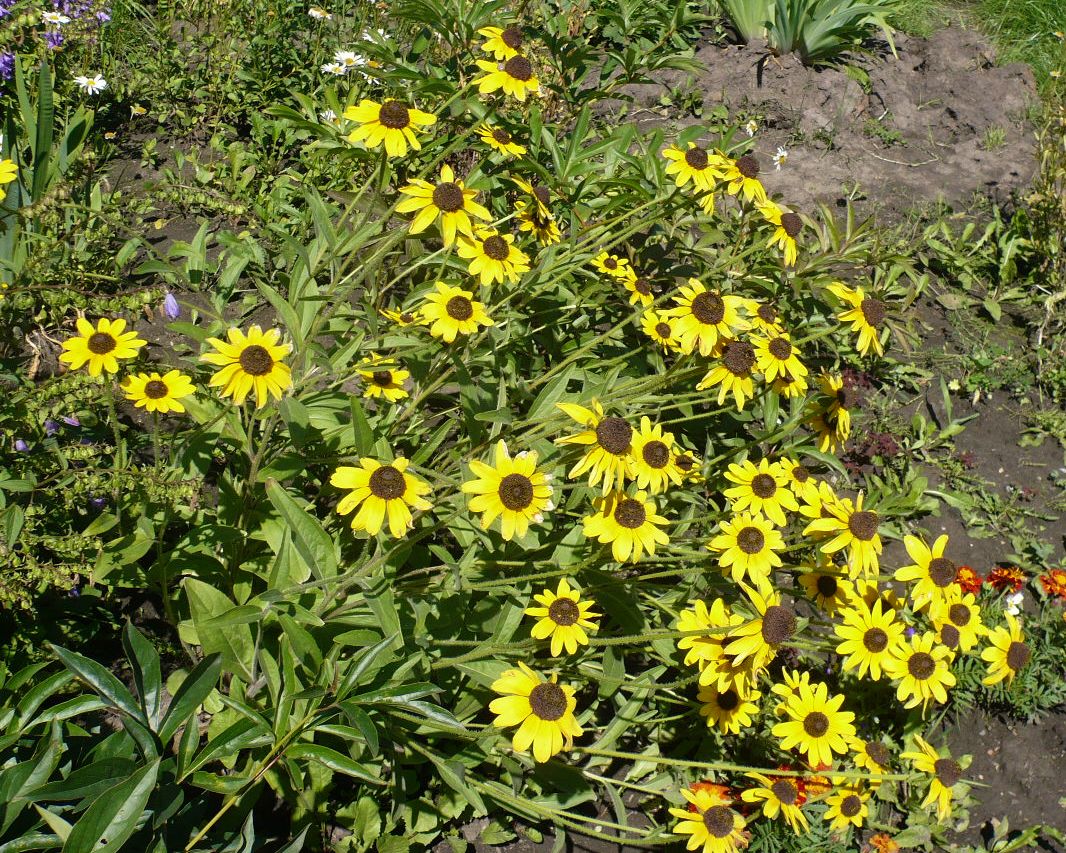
(192,693)
(147,675)
(59,826)
(100,679)
(335,761)
(233,642)
(114,816)
(85,782)
(19,779)
(42,148)
(311,540)
(243,734)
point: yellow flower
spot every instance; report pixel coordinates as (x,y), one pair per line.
(100,346)
(610,439)
(449,200)
(393,123)
(732,374)
(532,221)
(874,756)
(944,772)
(847,805)
(775,357)
(500,139)
(653,459)
(827,588)
(866,315)
(639,288)
(250,361)
(380,379)
(8,172)
(815,725)
(704,168)
(704,650)
(760,637)
(542,710)
(629,524)
(704,316)
(922,669)
(539,194)
(493,256)
(512,490)
(502,43)
(957,620)
(788,226)
(564,617)
(1007,652)
(515,76)
(803,485)
(870,637)
(156,393)
(452,311)
(779,796)
(404,318)
(747,549)
(727,710)
(932,573)
(713,826)
(742,176)
(380,490)
(761,489)
(854,528)
(765,319)
(690,465)
(660,328)
(612,265)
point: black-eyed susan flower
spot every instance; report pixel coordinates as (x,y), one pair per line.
(759,638)
(945,773)
(789,386)
(852,528)
(511,489)
(564,617)
(515,76)
(932,574)
(452,311)
(764,317)
(866,314)
(542,710)
(776,357)
(874,756)
(703,317)
(747,547)
(870,637)
(800,480)
(816,505)
(653,458)
(922,669)
(779,795)
(537,193)
(827,588)
(727,710)
(403,318)
(501,140)
(382,491)
(696,164)
(957,620)
(448,200)
(493,256)
(612,265)
(610,441)
(382,378)
(639,287)
(392,123)
(250,361)
(631,525)
(155,393)
(742,179)
(690,465)
(733,373)
(100,346)
(760,489)
(706,649)
(847,804)
(788,226)
(1007,652)
(502,42)
(815,725)
(707,203)
(660,328)
(710,824)
(531,221)
(789,687)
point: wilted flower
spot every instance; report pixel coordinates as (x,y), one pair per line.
(320,14)
(751,127)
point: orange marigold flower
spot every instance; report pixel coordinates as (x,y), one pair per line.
(969,580)
(882,842)
(815,786)
(721,791)
(1054,583)
(1006,578)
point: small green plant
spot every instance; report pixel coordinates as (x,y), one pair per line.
(994,137)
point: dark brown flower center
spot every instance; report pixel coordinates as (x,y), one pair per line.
(548,701)
(1017,655)
(947,771)
(516,491)
(663,330)
(519,68)
(921,665)
(786,792)
(655,454)
(739,358)
(942,571)
(718,821)
(778,624)
(767,313)
(816,724)
(792,224)
(708,308)
(155,389)
(542,194)
(614,435)
(101,343)
(383,378)
(610,263)
(949,636)
(827,585)
(780,348)
(863,525)
(459,308)
(728,700)
(878,752)
(697,158)
(751,540)
(448,196)
(255,360)
(563,611)
(875,640)
(387,483)
(496,247)
(851,805)
(959,614)
(684,462)
(512,37)
(407,317)
(501,136)
(630,513)
(873,310)
(764,486)
(394,115)
(748,166)
(642,286)
(800,474)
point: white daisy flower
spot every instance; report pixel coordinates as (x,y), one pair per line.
(1013,603)
(334,68)
(320,14)
(780,158)
(55,18)
(349,59)
(92,85)
(328,117)
(751,127)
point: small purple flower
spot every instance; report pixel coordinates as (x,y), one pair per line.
(50,427)
(21,445)
(70,420)
(171,308)
(103,16)
(54,39)
(7,64)
(909,631)
(98,503)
